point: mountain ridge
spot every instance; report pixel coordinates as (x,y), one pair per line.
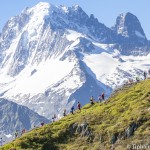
(16,117)
(49,54)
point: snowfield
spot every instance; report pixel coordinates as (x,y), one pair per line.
(35,79)
(113,72)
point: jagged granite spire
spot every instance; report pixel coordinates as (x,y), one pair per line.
(128,25)
(131,36)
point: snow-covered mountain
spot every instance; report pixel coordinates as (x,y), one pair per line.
(51,57)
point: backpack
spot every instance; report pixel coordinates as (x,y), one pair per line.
(72,108)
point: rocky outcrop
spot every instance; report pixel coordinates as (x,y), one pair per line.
(128,132)
(83,130)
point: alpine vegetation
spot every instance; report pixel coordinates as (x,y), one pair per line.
(52,57)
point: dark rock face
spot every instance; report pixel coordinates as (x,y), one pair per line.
(127,133)
(128,25)
(114,138)
(83,130)
(130,130)
(100,31)
(131,37)
(16,117)
(76,14)
(96,29)
(127,34)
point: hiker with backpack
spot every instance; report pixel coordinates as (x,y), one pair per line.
(79,106)
(103,96)
(100,98)
(16,134)
(92,100)
(145,75)
(64,112)
(23,131)
(72,110)
(42,124)
(137,79)
(53,118)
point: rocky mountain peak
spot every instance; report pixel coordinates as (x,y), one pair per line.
(128,25)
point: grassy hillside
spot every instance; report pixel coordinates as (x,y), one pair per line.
(121,120)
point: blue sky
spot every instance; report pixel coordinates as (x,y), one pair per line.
(105,10)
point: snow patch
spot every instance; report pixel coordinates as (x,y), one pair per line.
(47,73)
(73,35)
(65,9)
(139,34)
(114,73)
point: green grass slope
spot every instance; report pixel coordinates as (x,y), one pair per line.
(123,119)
